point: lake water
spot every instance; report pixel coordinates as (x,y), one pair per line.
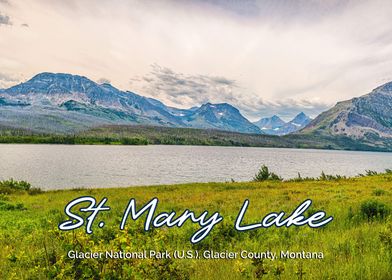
(63,166)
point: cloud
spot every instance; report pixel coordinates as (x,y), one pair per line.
(184,90)
(279,10)
(288,108)
(7,80)
(5,20)
(243,7)
(262,56)
(187,90)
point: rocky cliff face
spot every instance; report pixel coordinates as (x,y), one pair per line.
(365,117)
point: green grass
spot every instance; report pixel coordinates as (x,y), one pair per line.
(356,244)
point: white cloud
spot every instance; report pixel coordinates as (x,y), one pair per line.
(7,80)
(276,53)
(183,90)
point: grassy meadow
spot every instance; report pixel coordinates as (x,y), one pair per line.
(357,244)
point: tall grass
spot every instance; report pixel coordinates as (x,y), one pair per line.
(357,244)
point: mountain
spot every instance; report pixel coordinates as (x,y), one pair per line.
(296,124)
(220,116)
(276,126)
(301,120)
(367,118)
(51,102)
(269,123)
(47,89)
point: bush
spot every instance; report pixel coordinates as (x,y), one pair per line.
(371,173)
(326,177)
(12,186)
(264,175)
(34,191)
(299,178)
(5,206)
(374,209)
(379,192)
(17,185)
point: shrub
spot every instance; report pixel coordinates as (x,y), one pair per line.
(5,206)
(34,191)
(264,174)
(371,173)
(12,186)
(299,178)
(374,209)
(379,192)
(16,185)
(326,177)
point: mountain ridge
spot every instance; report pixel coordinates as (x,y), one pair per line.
(93,104)
(276,126)
(66,103)
(367,118)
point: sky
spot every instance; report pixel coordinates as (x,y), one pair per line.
(264,57)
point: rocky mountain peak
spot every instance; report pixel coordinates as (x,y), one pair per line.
(301,118)
(77,100)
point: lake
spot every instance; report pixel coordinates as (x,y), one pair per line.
(68,166)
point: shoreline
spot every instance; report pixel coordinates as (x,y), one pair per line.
(155,135)
(377,150)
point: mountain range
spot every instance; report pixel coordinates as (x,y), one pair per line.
(276,126)
(65,103)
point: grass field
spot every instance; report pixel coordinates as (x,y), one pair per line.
(357,244)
